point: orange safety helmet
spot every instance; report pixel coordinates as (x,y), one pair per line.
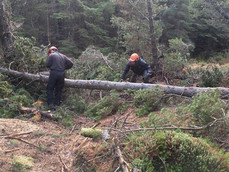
(134,57)
(52,49)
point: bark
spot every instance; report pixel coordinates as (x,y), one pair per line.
(6,35)
(152,37)
(109,85)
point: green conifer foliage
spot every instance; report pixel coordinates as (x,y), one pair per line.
(97,29)
(71,24)
(210,31)
(176,20)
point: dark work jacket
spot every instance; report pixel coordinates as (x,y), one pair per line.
(139,68)
(58,61)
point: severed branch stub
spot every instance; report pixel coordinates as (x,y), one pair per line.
(47,114)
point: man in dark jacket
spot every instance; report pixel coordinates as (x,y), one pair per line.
(57,63)
(139,67)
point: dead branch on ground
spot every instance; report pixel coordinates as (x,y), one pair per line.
(81,145)
(47,114)
(19,139)
(123,164)
(173,127)
(14,135)
(65,166)
(9,151)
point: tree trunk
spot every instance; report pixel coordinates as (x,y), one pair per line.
(155,64)
(6,35)
(109,85)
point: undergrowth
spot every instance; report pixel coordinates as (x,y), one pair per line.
(207,107)
(211,77)
(12,99)
(174,151)
(108,105)
(147,100)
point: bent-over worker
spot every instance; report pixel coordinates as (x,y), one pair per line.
(139,68)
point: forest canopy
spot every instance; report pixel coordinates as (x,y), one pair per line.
(122,25)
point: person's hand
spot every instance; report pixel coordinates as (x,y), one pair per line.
(121,80)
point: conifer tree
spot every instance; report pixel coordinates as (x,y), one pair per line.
(176,21)
(210,31)
(70,24)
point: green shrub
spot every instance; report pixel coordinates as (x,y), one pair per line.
(201,112)
(176,58)
(173,65)
(76,103)
(92,64)
(11,100)
(67,120)
(173,151)
(211,77)
(106,106)
(5,89)
(64,115)
(206,107)
(165,118)
(32,58)
(147,100)
(106,73)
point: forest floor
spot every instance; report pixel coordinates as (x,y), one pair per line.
(51,145)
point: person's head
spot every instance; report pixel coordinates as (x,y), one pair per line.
(133,59)
(53,50)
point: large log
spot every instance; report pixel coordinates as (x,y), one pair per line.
(109,85)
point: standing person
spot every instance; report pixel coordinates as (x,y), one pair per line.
(139,67)
(57,63)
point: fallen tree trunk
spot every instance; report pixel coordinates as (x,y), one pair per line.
(109,85)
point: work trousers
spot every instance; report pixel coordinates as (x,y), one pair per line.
(145,77)
(54,87)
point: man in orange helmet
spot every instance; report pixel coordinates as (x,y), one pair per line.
(57,63)
(139,67)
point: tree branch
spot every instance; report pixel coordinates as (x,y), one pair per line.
(35,110)
(124,165)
